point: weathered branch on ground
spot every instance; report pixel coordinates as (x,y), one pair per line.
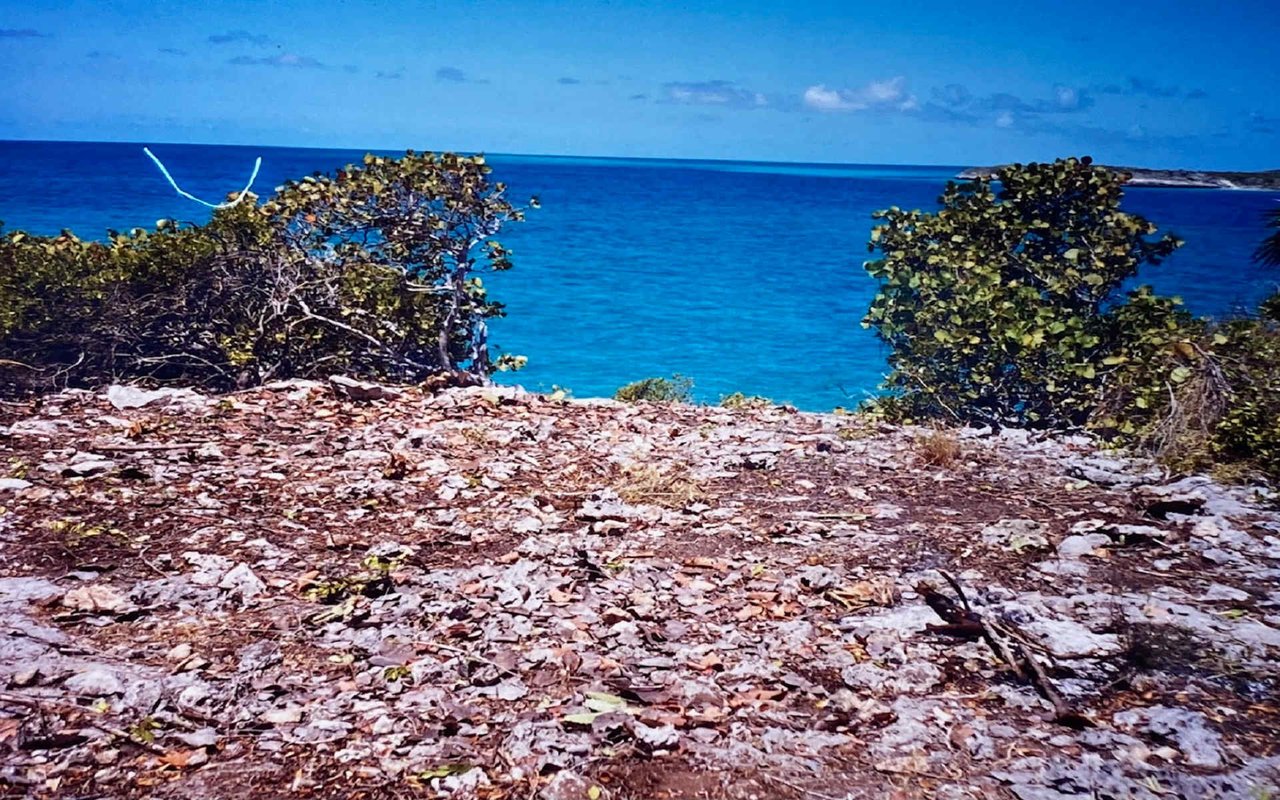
(1009,645)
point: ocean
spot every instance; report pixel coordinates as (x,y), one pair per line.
(743,276)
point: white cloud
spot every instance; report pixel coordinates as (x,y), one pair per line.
(1068,98)
(886,95)
(714,93)
(1004,120)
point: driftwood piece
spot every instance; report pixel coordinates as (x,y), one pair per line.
(1004,639)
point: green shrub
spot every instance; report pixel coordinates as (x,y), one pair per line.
(676,389)
(1270,308)
(739,400)
(1005,307)
(1247,354)
(370,271)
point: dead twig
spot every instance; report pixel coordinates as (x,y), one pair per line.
(1004,640)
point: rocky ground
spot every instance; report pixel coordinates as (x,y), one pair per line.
(486,593)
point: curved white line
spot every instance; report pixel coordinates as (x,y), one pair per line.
(244,192)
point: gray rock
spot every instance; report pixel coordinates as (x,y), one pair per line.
(126,397)
(88,466)
(566,785)
(204,737)
(95,683)
(241,581)
(362,391)
(281,716)
(210,568)
(1200,745)
(1017,535)
(13,484)
(1082,544)
(259,656)
(37,427)
(1069,639)
(660,736)
(1228,593)
(818,578)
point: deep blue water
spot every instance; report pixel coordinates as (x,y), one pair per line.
(744,276)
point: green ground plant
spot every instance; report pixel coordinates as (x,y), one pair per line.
(738,400)
(676,389)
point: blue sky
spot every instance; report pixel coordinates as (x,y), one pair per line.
(1169,83)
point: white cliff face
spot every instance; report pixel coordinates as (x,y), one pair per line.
(487,592)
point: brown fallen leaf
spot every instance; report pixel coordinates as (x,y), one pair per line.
(177,758)
(864,594)
(710,661)
(748,612)
(9,729)
(753,697)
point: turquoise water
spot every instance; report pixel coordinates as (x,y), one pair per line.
(744,276)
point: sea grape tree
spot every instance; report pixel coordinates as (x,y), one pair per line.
(373,270)
(1006,305)
(420,227)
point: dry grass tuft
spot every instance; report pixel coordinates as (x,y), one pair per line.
(670,488)
(938,448)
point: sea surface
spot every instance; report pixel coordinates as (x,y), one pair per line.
(743,276)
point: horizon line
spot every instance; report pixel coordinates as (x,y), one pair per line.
(823,164)
(831,164)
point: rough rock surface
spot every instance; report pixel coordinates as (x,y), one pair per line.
(484,593)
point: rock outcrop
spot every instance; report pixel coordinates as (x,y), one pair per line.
(486,593)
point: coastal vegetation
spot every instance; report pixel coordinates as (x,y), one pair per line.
(1011,305)
(373,270)
(1269,251)
(676,389)
(1008,307)
(1171,178)
(738,400)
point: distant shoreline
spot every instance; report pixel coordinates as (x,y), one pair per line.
(1268,180)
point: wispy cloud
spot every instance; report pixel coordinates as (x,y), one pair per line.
(955,103)
(455,75)
(886,95)
(1101,136)
(1258,122)
(240,36)
(389,76)
(284,60)
(568,81)
(21,33)
(1148,88)
(173,51)
(723,94)
(639,96)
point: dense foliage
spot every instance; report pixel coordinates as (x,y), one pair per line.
(1006,307)
(1269,251)
(676,389)
(371,270)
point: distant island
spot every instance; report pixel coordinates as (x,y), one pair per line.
(1174,178)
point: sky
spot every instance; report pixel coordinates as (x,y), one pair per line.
(1159,83)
